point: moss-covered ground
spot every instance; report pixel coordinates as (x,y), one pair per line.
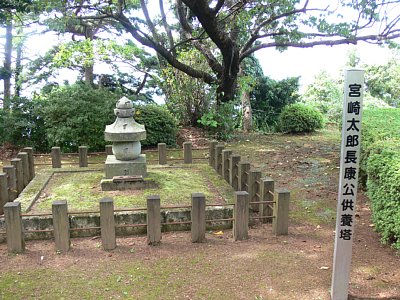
(174,185)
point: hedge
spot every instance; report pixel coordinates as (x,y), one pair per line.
(380,170)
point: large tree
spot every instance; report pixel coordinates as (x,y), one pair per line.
(239,28)
(226,32)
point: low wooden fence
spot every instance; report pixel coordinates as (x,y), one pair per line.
(188,157)
(61,221)
(252,190)
(242,177)
(16,176)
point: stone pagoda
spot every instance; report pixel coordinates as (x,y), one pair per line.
(126,168)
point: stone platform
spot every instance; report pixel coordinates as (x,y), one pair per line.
(115,167)
(118,184)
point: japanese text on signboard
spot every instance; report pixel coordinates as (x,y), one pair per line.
(350,162)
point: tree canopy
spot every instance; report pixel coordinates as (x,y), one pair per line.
(227,32)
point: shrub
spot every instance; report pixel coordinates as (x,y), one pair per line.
(220,122)
(76,115)
(298,118)
(268,99)
(380,166)
(161,126)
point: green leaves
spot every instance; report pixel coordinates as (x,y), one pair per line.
(161,126)
(297,118)
(268,99)
(75,53)
(381,164)
(76,115)
(382,81)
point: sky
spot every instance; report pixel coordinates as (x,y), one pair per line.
(307,63)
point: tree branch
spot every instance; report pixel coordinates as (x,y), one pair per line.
(166,26)
(187,31)
(147,41)
(255,33)
(353,40)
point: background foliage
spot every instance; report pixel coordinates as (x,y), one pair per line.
(76,115)
(268,99)
(161,126)
(23,125)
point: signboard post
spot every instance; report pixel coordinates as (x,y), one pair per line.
(348,182)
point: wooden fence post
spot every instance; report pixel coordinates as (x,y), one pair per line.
(225,164)
(187,152)
(31,162)
(162,153)
(4,198)
(25,167)
(198,217)
(267,194)
(56,157)
(14,234)
(241,216)
(254,189)
(280,222)
(19,174)
(153,220)
(233,171)
(107,224)
(12,182)
(211,152)
(61,226)
(83,156)
(109,150)
(218,158)
(243,176)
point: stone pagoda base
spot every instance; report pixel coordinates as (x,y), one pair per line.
(119,183)
(115,167)
(126,175)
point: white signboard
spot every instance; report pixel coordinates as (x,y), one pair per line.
(348,182)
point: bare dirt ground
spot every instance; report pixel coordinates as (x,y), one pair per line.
(297,266)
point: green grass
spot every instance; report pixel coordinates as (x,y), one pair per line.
(164,278)
(175,186)
(311,211)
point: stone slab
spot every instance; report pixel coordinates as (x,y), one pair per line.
(110,185)
(115,167)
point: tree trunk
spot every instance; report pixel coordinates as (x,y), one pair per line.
(247,120)
(247,112)
(89,77)
(7,66)
(18,66)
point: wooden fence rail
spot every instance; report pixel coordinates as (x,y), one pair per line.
(188,158)
(252,192)
(22,169)
(242,177)
(61,220)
